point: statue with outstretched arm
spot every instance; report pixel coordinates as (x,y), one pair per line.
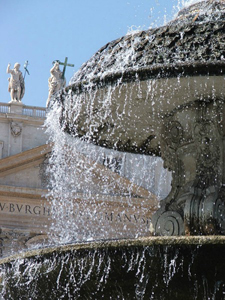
(16,83)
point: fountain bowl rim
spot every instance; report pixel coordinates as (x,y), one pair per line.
(120,243)
(156,72)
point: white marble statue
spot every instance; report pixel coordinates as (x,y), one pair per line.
(16,83)
(56,82)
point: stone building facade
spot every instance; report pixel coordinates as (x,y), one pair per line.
(23,150)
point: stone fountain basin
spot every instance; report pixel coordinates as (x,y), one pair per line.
(157,267)
(120,96)
(128,116)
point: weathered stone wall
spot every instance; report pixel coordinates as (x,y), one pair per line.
(21,128)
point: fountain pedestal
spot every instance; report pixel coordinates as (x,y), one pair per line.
(192,143)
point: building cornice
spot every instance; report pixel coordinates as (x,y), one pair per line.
(13,162)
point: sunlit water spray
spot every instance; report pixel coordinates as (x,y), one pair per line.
(83,176)
(97,273)
(73,165)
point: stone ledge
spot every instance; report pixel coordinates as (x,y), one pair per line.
(25,157)
(24,192)
(141,242)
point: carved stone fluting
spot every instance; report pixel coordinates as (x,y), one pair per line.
(192,148)
(204,214)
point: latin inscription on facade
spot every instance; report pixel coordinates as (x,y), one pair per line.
(25,209)
(34,217)
(44,210)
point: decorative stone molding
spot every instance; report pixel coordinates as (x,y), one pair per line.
(16,129)
(192,148)
(169,223)
(203,214)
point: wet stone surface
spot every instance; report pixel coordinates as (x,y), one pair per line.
(196,35)
(155,268)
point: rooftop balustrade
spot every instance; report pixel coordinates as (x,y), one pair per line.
(31,111)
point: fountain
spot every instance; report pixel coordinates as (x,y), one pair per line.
(161,92)
(156,92)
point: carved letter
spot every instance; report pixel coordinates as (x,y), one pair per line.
(11,207)
(19,208)
(109,217)
(37,210)
(27,209)
(2,206)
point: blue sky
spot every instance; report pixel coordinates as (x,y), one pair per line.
(42,31)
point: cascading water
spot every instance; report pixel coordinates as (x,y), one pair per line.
(74,172)
(121,99)
(158,269)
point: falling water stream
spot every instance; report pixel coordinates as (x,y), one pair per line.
(121,270)
(88,257)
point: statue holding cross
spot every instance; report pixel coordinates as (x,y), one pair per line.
(57,80)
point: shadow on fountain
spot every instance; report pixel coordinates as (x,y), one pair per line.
(147,268)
